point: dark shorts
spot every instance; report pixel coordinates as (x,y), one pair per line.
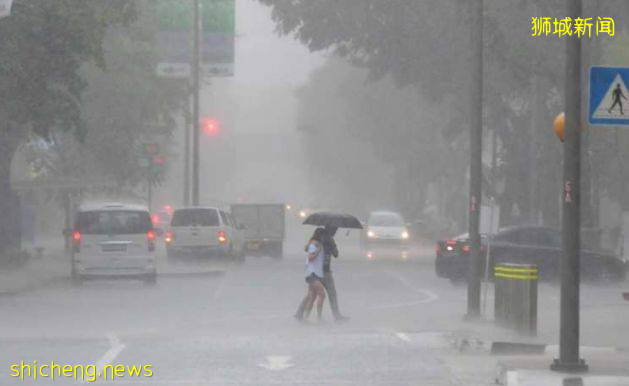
(312,278)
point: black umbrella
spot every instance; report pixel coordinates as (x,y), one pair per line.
(338,220)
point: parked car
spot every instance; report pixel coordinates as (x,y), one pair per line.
(113,240)
(528,245)
(203,231)
(263,228)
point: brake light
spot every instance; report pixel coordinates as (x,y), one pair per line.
(450,242)
(76,241)
(155,219)
(169,236)
(466,248)
(222,237)
(150,237)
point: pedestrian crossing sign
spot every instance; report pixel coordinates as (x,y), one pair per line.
(609,97)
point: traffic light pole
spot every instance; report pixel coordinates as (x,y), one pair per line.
(569,360)
(476,137)
(186,162)
(195,102)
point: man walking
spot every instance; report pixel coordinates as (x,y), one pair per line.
(616,95)
(330,249)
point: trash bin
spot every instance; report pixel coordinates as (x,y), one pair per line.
(515,300)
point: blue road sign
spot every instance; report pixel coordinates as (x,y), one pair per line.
(609,103)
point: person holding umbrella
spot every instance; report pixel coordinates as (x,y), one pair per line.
(330,249)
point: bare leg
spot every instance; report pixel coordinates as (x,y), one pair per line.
(309,301)
(320,294)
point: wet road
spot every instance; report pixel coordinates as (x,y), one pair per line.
(236,327)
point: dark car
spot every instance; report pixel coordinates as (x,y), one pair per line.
(525,245)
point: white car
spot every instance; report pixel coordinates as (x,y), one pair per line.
(113,240)
(203,231)
(385,231)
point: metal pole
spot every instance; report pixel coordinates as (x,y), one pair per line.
(195,103)
(150,193)
(569,360)
(476,137)
(186,162)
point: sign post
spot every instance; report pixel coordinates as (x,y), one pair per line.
(195,40)
(569,359)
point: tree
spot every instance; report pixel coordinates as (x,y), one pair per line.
(125,106)
(43,45)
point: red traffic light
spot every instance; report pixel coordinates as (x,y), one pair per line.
(211,126)
(159,160)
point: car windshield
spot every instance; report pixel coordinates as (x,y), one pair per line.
(195,217)
(386,220)
(110,222)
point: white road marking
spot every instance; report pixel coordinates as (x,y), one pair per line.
(111,354)
(512,378)
(427,296)
(403,336)
(276,362)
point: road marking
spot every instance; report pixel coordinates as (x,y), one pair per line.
(111,354)
(276,362)
(403,336)
(428,296)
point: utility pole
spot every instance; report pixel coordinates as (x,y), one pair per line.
(196,57)
(186,162)
(569,360)
(476,144)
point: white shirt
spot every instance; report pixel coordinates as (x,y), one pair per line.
(315,265)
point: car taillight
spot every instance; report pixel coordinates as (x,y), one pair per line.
(466,248)
(76,241)
(155,219)
(150,237)
(222,237)
(169,236)
(450,242)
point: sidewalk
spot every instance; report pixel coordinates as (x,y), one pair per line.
(39,272)
(606,367)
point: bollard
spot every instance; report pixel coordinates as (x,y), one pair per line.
(515,300)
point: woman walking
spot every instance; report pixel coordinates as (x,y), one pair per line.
(314,275)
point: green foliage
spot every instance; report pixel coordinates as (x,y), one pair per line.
(125,105)
(44,43)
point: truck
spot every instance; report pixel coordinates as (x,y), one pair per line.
(263,227)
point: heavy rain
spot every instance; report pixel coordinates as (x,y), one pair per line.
(314,192)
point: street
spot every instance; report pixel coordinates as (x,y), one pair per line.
(235,326)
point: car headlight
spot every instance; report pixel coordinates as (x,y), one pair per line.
(405,235)
(302,214)
(371,234)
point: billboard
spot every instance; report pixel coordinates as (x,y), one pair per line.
(175,37)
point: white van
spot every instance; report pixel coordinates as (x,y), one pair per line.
(113,240)
(203,231)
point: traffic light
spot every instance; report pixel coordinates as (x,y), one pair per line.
(211,126)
